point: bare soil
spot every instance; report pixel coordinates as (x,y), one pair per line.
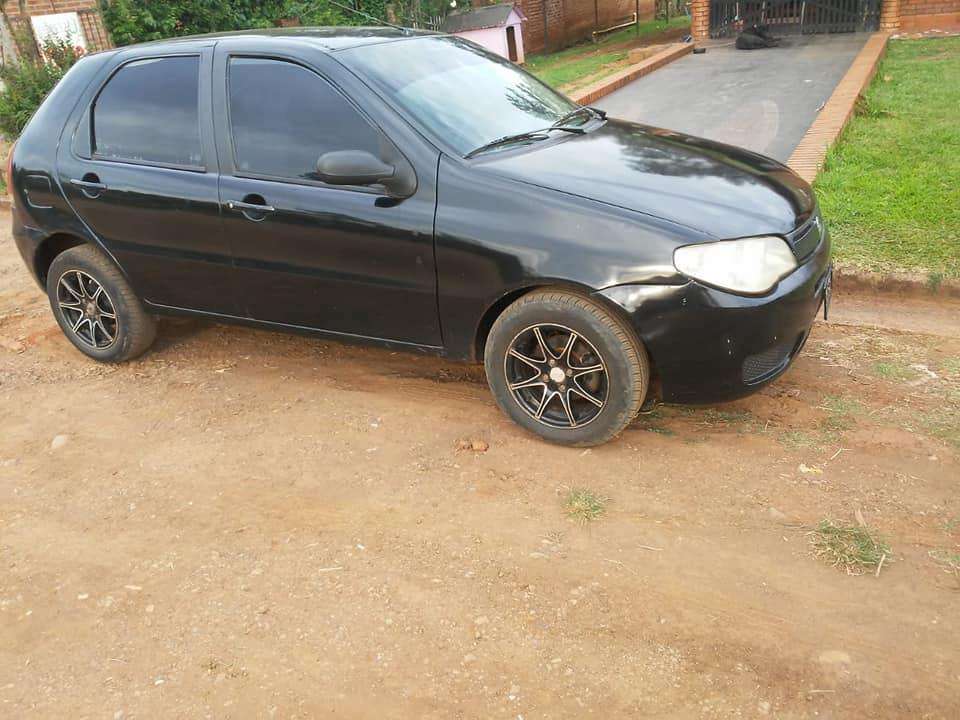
(244,524)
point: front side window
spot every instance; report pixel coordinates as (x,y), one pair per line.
(284,117)
(148,112)
(458,90)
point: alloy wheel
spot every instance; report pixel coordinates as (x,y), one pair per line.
(88,309)
(556,375)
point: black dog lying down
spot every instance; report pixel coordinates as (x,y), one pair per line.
(756,37)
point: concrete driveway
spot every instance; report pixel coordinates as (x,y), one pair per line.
(763,100)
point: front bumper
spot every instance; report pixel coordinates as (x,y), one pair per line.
(709,346)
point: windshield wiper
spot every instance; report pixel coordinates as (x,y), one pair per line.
(541,134)
(573,113)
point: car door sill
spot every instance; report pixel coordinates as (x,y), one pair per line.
(271,325)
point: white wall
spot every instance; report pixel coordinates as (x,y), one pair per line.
(495,40)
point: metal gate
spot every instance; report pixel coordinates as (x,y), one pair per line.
(793,17)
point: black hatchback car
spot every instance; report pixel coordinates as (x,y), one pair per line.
(412,189)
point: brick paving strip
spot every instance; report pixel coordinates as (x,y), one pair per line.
(595,91)
(808,157)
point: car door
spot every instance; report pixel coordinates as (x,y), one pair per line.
(345,259)
(139,168)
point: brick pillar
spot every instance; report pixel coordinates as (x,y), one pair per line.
(890,15)
(700,19)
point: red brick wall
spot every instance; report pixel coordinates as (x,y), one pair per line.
(48,7)
(569,21)
(90,19)
(533,37)
(928,7)
(582,17)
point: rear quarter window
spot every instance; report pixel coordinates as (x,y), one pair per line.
(149,112)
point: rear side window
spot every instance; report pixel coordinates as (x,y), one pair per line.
(284,117)
(148,112)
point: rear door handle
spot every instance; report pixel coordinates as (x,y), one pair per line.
(97,187)
(250,207)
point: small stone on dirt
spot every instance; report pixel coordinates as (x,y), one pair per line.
(807,470)
(834,657)
(59,441)
(776,514)
(478,446)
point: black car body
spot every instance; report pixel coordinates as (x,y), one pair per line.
(429,255)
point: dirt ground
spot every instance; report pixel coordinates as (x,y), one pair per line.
(244,524)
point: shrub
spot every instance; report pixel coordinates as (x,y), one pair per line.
(133,21)
(27,83)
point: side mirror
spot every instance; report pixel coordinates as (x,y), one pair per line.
(353,167)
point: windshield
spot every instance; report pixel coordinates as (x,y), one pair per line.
(457,90)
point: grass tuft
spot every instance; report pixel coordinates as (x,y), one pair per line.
(585,505)
(852,548)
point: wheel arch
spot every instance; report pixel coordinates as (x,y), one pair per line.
(495,309)
(48,250)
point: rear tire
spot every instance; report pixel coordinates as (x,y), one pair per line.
(96,308)
(564,367)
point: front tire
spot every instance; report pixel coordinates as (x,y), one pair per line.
(96,308)
(564,367)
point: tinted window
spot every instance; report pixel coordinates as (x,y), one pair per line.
(284,117)
(148,111)
(458,90)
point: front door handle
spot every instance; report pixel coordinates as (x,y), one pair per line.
(250,207)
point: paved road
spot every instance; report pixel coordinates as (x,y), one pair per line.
(762,99)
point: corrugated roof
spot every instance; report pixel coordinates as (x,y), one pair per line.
(479,18)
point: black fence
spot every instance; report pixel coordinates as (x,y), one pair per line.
(785,17)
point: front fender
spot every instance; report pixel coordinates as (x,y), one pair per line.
(494,234)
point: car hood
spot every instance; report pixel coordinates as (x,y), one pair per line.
(716,189)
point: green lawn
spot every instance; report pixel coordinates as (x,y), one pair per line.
(576,65)
(891,188)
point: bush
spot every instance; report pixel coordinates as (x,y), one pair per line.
(27,83)
(133,21)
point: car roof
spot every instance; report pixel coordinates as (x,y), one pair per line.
(330,39)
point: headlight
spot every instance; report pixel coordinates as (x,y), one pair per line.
(751,265)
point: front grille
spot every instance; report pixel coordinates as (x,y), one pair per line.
(756,367)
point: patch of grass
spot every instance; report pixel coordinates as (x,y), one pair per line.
(951,366)
(660,430)
(712,416)
(852,548)
(894,370)
(890,191)
(948,561)
(584,505)
(575,65)
(944,423)
(799,439)
(841,412)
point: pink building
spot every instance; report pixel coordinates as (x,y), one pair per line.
(498,28)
